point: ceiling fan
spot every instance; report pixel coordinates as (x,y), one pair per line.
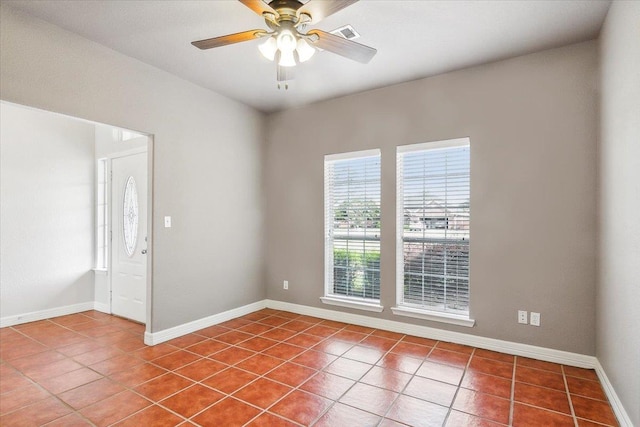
(287,41)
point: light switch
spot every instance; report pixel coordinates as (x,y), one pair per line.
(167,222)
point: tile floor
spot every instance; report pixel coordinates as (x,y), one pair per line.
(274,368)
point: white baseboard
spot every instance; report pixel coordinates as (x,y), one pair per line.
(153,338)
(45,314)
(102,307)
(518,349)
(614,400)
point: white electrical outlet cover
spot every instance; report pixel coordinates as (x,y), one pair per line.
(535,319)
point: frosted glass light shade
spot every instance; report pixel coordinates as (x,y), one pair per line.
(287,59)
(269,48)
(305,51)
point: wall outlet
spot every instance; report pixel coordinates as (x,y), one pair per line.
(535,319)
(285,284)
(522,317)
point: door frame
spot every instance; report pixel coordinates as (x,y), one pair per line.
(149,273)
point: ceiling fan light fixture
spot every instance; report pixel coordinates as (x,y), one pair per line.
(305,51)
(269,48)
(287,59)
(286,41)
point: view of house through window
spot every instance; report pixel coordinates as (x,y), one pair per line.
(352,225)
(433,201)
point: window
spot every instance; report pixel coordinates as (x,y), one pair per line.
(102,212)
(433,201)
(352,229)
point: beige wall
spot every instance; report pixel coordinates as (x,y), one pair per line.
(532,121)
(618,339)
(207,160)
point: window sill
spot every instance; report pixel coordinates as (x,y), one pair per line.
(352,303)
(453,319)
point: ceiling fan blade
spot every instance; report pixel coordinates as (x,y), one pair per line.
(229,39)
(341,46)
(320,9)
(259,7)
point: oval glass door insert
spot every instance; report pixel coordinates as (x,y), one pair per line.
(130,216)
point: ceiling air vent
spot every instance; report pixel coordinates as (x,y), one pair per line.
(347,32)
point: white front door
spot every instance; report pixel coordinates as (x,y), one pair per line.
(129,236)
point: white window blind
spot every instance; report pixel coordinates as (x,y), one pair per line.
(433,201)
(352,225)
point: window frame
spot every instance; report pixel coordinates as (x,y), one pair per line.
(368,304)
(401,308)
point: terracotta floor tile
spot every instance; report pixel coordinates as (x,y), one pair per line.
(255,316)
(97,355)
(163,386)
(539,377)
(349,336)
(447,357)
(70,380)
(35,361)
(284,351)
(130,344)
(587,374)
(257,344)
(154,352)
(115,408)
(291,374)
(587,423)
(399,362)
(138,375)
(255,328)
(593,410)
(488,354)
(528,416)
(460,419)
(259,364)
(228,412)
(301,407)
(333,346)
(539,364)
(201,369)
(20,397)
(87,324)
(364,354)
(387,422)
(36,414)
(176,360)
(269,420)
(262,392)
(491,367)
(348,368)
(416,412)
(387,334)
(381,343)
(91,393)
(52,369)
(71,420)
(116,364)
(71,319)
(487,384)
(442,345)
(152,416)
(309,319)
(411,349)
(229,380)
(186,340)
(327,385)
(386,378)
(192,400)
(419,340)
(99,331)
(208,347)
(333,324)
(343,415)
(10,352)
(430,390)
(542,397)
(234,337)
(372,399)
(587,388)
(77,349)
(314,359)
(14,381)
(274,321)
(304,340)
(232,355)
(296,325)
(279,334)
(235,323)
(482,405)
(321,331)
(440,372)
(213,331)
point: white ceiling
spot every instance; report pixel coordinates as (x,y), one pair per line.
(414,39)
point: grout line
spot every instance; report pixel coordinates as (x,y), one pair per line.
(566,387)
(513,390)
